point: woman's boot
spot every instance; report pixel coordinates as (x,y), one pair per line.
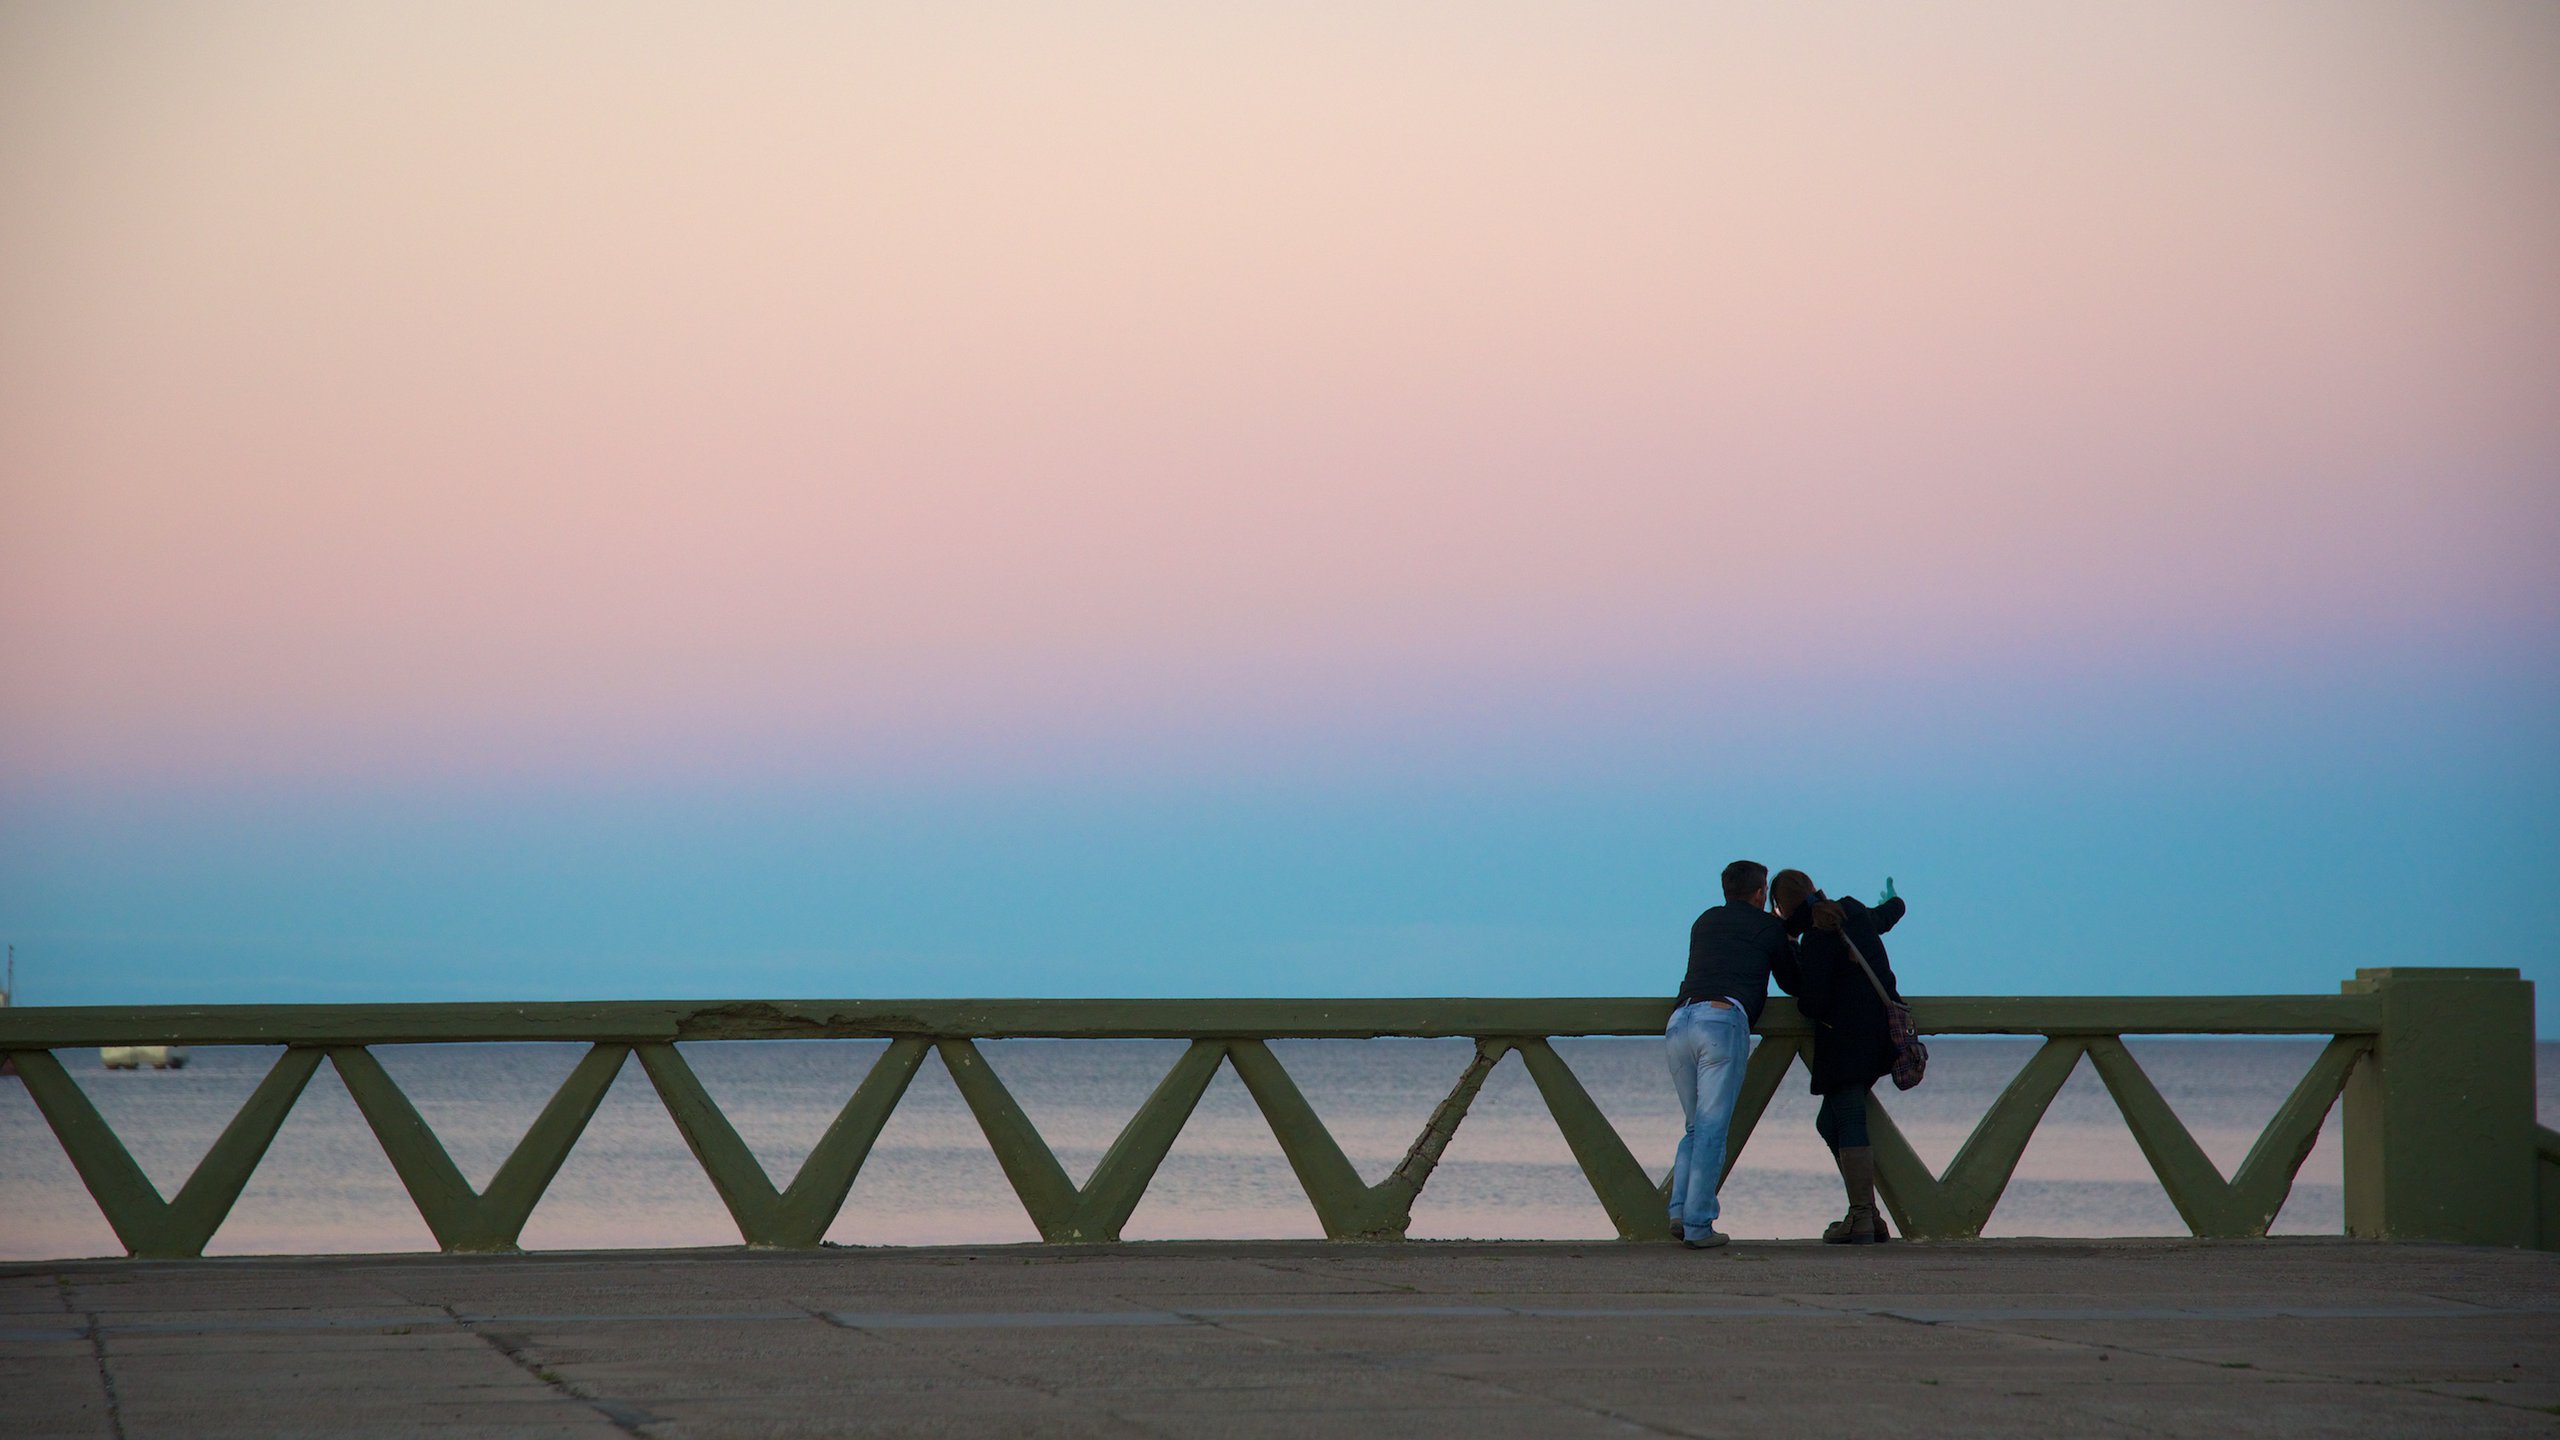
(1861,1226)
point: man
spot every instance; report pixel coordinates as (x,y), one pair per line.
(1732,949)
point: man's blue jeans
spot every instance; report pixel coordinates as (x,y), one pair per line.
(1709,1045)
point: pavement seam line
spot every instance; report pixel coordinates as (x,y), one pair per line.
(1010,1381)
(1373,1363)
(106,1381)
(2422,1387)
(1141,1313)
(619,1417)
(1299,1272)
(1991,1329)
(2279,1376)
(2104,1350)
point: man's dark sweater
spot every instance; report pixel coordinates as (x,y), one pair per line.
(1731,950)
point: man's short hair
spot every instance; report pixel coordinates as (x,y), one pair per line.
(1742,880)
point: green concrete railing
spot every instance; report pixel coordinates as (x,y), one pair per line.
(2436,1067)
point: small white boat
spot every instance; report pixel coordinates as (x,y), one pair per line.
(134,1057)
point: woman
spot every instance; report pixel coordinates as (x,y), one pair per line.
(1851,1048)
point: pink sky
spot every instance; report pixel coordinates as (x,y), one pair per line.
(391,387)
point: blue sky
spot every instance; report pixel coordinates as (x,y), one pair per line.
(2210,845)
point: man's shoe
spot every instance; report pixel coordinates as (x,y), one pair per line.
(1708,1241)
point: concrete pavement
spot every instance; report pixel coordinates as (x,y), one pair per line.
(2275,1338)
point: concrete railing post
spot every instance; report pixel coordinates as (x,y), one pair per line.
(2440,1117)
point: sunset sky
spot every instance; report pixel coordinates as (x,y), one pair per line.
(1122,498)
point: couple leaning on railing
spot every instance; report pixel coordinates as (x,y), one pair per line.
(1829,954)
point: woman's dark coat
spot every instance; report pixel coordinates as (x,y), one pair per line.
(1850,1047)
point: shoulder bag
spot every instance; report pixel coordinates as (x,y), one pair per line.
(1910,1057)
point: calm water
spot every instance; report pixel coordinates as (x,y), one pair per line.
(325,1185)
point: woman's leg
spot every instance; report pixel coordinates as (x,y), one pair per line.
(1843,1119)
(1846,1112)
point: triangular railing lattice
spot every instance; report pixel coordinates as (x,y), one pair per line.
(1955,1204)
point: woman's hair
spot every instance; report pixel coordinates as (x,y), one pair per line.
(1788,889)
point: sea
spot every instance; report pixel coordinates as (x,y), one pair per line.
(325,1186)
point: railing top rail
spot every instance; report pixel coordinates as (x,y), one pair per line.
(43,1027)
